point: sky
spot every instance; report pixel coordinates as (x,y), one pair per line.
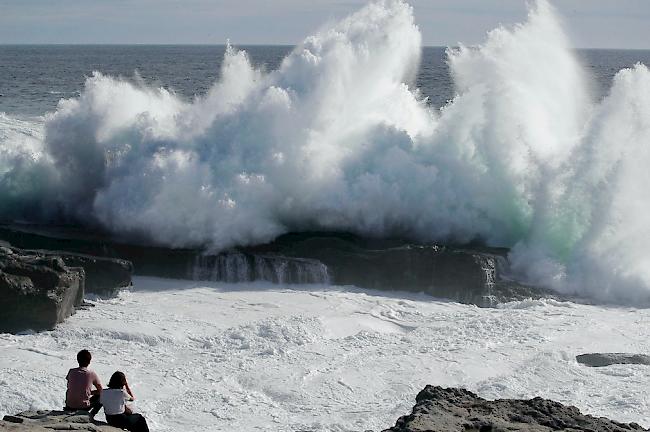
(590,23)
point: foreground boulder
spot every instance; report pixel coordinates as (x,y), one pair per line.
(607,359)
(37,292)
(46,421)
(445,410)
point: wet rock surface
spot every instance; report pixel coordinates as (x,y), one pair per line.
(468,274)
(462,273)
(608,359)
(36,292)
(44,421)
(104,276)
(39,288)
(106,273)
(451,409)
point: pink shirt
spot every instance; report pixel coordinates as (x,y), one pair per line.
(80,383)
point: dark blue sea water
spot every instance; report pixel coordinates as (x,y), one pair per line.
(33,78)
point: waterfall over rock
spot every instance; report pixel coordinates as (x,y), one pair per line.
(240,267)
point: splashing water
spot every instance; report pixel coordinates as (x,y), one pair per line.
(336,139)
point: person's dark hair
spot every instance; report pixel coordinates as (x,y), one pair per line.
(117,381)
(83,358)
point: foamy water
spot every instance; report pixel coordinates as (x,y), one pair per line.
(337,138)
(322,358)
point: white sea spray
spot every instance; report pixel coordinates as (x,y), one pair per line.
(337,138)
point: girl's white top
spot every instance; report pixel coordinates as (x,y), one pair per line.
(114,401)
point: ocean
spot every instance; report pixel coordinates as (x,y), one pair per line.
(34,78)
(507,144)
(520,142)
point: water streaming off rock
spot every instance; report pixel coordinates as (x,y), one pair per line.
(238,267)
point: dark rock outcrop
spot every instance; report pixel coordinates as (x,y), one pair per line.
(40,288)
(147,260)
(104,276)
(446,410)
(46,421)
(37,292)
(607,359)
(465,274)
(106,273)
(468,274)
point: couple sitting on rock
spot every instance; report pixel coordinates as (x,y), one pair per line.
(81,396)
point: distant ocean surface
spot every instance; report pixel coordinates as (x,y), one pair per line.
(33,78)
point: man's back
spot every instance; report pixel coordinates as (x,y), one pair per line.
(80,382)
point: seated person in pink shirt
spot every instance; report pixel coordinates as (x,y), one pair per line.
(80,395)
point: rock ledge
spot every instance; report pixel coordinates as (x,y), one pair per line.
(46,421)
(451,409)
(37,292)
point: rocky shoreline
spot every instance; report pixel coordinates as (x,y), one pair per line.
(44,277)
(465,273)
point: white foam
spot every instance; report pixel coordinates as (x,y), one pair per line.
(267,357)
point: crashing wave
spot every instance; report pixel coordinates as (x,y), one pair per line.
(337,139)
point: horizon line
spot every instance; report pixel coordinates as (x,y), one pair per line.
(2,44)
